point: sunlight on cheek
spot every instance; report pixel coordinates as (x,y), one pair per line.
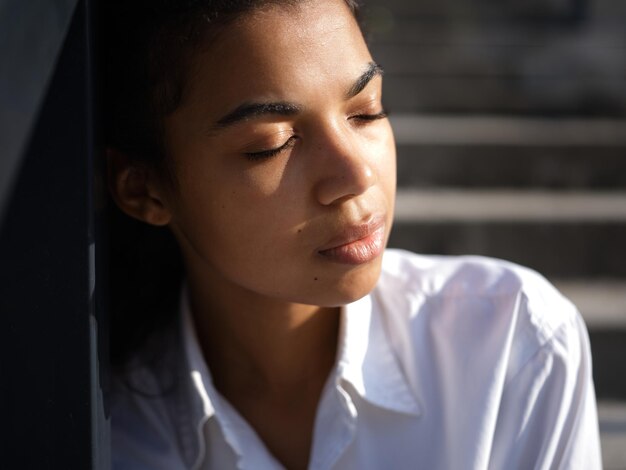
(266,178)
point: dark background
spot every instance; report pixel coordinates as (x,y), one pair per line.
(510,119)
(460,66)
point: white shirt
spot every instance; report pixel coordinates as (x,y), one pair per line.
(450,363)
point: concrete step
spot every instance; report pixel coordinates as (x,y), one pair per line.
(509,57)
(519,58)
(479,7)
(467,166)
(506,151)
(505,95)
(520,10)
(559,250)
(467,24)
(519,131)
(574,238)
(512,206)
(608,349)
(560,61)
(602,302)
(612,417)
(387,27)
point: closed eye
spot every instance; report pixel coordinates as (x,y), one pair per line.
(263,154)
(369,117)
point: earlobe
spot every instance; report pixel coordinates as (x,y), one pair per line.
(135,189)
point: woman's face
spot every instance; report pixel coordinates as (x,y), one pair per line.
(284,161)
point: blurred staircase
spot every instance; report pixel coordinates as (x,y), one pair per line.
(510,120)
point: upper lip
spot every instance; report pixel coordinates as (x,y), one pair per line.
(354,232)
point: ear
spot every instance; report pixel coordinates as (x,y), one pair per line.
(136,189)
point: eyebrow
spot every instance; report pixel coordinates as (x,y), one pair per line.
(373,70)
(248,111)
(251,110)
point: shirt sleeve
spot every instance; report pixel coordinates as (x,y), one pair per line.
(548,416)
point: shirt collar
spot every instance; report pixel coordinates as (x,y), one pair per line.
(198,369)
(367,360)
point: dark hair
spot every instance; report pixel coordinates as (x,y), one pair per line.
(149,43)
(147,48)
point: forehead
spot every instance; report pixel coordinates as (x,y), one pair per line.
(278,52)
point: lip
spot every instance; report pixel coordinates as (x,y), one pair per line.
(357,244)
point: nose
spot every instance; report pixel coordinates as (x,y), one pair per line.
(345,168)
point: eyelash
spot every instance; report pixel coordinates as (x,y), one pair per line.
(370,117)
(264,154)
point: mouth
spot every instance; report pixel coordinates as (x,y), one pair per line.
(357,244)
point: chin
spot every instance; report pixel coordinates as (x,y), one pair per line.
(350,287)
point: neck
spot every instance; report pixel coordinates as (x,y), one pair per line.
(251,341)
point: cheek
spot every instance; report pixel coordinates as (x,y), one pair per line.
(391,176)
(264,179)
(386,162)
(237,218)
(230,188)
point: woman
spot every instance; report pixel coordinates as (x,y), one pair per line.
(258,138)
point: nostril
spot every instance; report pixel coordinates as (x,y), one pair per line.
(345,178)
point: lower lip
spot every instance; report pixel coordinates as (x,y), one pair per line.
(359,251)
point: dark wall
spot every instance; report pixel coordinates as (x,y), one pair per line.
(51,403)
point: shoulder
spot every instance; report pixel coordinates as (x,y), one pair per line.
(458,276)
(144,403)
(482,305)
(473,278)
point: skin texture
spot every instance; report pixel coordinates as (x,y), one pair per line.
(264,300)
(258,225)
